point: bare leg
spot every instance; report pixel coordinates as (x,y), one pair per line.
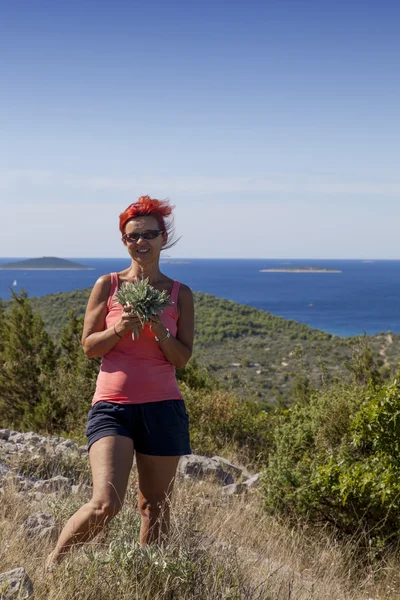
(156,482)
(111,460)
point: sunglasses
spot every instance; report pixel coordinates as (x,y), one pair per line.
(149,234)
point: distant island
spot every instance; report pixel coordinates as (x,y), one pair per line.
(173,261)
(44,263)
(301,270)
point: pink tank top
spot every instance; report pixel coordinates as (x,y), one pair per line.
(136,371)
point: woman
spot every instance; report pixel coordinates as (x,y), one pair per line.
(137,407)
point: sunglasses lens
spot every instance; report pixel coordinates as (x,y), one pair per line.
(150,234)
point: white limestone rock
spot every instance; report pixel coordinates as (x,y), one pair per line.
(55,484)
(4,434)
(234,489)
(39,525)
(193,466)
(253,482)
(16,585)
(234,470)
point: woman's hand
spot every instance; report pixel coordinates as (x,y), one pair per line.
(157,326)
(129,321)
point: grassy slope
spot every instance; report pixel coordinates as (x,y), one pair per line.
(268,348)
(219,548)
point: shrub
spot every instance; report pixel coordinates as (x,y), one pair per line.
(196,377)
(336,460)
(219,418)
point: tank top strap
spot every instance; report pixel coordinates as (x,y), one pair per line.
(175,292)
(113,288)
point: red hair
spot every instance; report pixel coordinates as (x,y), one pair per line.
(146,206)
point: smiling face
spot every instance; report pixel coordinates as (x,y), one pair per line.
(144,250)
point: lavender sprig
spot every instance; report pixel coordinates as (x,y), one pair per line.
(145,300)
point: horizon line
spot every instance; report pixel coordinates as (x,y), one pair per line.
(368,258)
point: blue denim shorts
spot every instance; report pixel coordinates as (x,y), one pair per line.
(156,428)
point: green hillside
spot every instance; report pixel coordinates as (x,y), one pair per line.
(249,349)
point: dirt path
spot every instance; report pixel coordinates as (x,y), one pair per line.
(388,341)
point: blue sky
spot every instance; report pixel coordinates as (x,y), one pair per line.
(272,126)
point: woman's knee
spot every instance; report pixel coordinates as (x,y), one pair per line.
(150,509)
(105,509)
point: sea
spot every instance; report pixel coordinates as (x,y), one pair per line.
(363,297)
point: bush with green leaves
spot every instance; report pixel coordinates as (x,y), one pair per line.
(219,419)
(336,460)
(196,377)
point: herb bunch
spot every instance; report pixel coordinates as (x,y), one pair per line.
(144,299)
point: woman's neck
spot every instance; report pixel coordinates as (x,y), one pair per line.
(152,272)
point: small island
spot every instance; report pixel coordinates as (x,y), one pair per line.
(301,270)
(47,263)
(174,261)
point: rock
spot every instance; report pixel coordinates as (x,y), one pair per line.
(233,489)
(81,488)
(54,441)
(25,485)
(16,585)
(32,438)
(5,448)
(16,438)
(253,482)
(4,434)
(39,525)
(234,470)
(198,467)
(11,478)
(38,496)
(65,444)
(40,451)
(54,484)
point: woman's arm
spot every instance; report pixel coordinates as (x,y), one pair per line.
(177,350)
(97,341)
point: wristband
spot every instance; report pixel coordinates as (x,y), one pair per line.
(116,333)
(166,336)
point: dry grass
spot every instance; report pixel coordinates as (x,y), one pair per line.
(219,548)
